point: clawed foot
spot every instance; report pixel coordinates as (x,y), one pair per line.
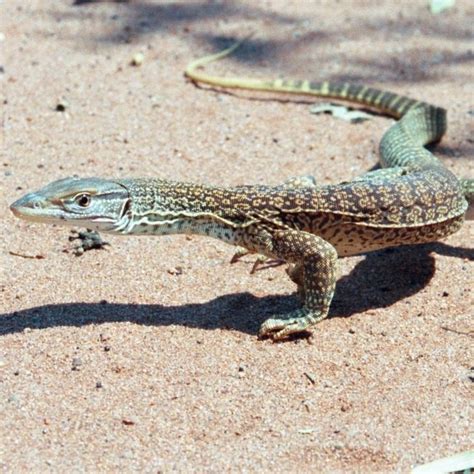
(239,253)
(259,261)
(296,322)
(89,239)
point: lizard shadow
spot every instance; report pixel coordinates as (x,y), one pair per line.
(369,285)
(236,311)
(387,276)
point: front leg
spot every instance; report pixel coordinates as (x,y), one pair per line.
(295,182)
(316,262)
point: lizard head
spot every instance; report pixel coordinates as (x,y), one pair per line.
(91,202)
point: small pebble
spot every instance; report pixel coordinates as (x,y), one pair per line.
(137,59)
(76,363)
(178,270)
(62,105)
(13,398)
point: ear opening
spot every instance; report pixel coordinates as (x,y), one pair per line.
(127,207)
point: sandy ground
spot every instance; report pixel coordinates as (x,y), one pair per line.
(144,355)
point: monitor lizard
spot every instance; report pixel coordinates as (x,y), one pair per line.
(413,199)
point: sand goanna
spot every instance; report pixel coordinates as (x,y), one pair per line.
(412,199)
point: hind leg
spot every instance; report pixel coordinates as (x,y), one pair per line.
(296,273)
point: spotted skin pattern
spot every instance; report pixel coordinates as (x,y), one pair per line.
(413,199)
(317,259)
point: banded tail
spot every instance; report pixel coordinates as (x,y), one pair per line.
(389,103)
(403,143)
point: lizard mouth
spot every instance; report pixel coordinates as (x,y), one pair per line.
(28,207)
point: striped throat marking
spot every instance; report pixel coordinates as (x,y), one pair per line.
(166,222)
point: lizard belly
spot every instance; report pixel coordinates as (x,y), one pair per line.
(352,239)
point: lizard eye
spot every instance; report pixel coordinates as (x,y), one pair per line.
(83,200)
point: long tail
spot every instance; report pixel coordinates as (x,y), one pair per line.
(391,104)
(401,145)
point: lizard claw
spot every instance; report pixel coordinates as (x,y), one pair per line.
(239,253)
(242,252)
(259,261)
(296,322)
(89,239)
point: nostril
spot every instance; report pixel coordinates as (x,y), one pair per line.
(29,202)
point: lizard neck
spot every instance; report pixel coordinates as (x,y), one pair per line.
(161,207)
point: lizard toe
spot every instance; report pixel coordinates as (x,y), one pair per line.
(283,327)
